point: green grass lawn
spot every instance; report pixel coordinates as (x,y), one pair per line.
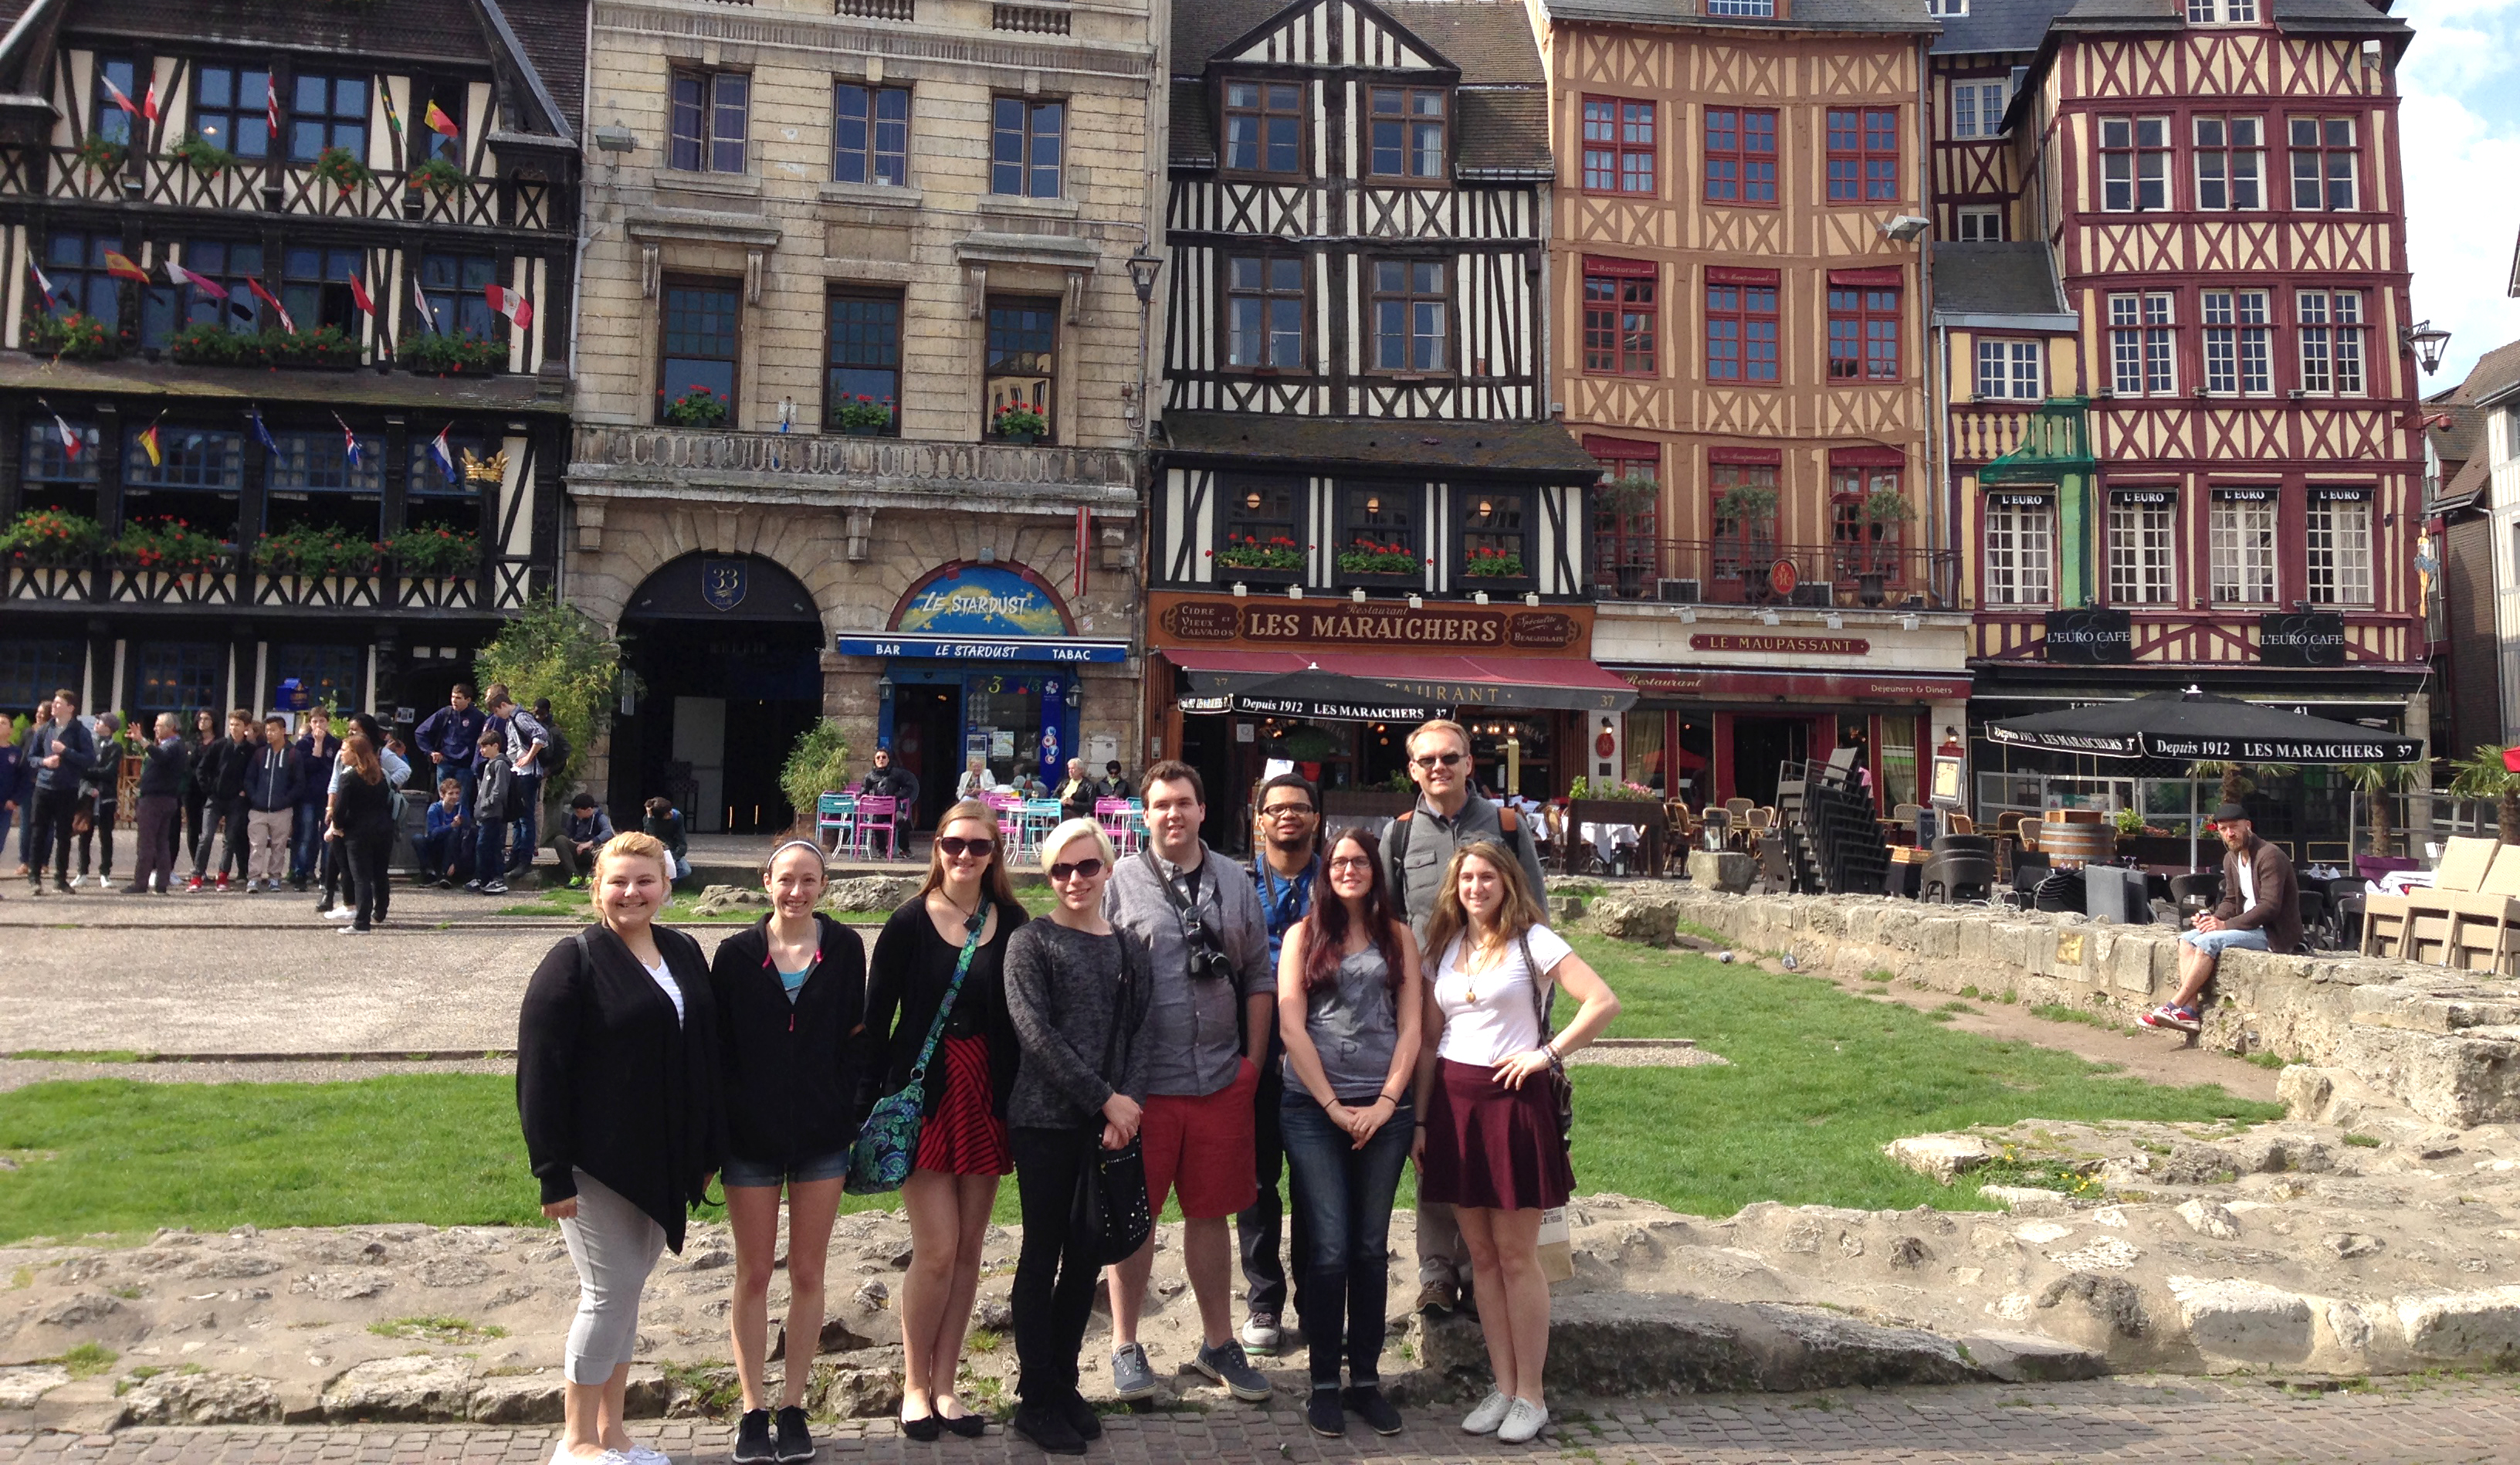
(1819,1082)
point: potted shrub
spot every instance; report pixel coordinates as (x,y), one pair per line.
(1276,553)
(1365,557)
(203,156)
(698,407)
(342,169)
(101,155)
(439,176)
(1882,509)
(75,337)
(434,551)
(325,345)
(862,416)
(169,545)
(441,355)
(50,537)
(1751,509)
(1626,496)
(314,551)
(1493,565)
(1018,424)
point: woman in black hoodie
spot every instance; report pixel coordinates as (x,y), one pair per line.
(616,1083)
(792,1018)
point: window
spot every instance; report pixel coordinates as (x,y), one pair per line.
(1946,10)
(2135,163)
(2324,164)
(180,678)
(1619,318)
(1377,521)
(711,117)
(187,459)
(1741,545)
(2140,534)
(2140,337)
(112,123)
(1264,303)
(1740,325)
(1027,142)
(76,265)
(2340,546)
(453,285)
(1982,223)
(1740,155)
(701,324)
(2331,342)
(1623,531)
(871,134)
(429,142)
(315,285)
(1757,10)
(1862,155)
(1618,146)
(48,459)
(1862,333)
(1860,545)
(1261,513)
(1263,126)
(2008,371)
(2230,162)
(33,668)
(162,307)
(328,673)
(2020,550)
(326,111)
(1492,537)
(863,356)
(2242,531)
(2237,341)
(230,108)
(2222,12)
(1411,315)
(1024,347)
(1977,108)
(320,460)
(1407,133)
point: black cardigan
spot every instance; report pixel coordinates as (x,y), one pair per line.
(792,1071)
(903,992)
(610,1083)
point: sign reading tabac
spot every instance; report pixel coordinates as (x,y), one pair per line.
(1792,645)
(1204,621)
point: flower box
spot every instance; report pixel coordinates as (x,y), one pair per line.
(50,537)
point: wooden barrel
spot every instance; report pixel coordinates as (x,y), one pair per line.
(2078,841)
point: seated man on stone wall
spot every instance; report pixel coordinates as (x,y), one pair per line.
(2259,911)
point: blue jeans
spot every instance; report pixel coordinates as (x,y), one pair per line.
(445,853)
(306,840)
(529,793)
(2216,943)
(489,851)
(1344,1194)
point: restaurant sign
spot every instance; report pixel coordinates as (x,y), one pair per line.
(2089,636)
(2302,638)
(1793,646)
(1202,621)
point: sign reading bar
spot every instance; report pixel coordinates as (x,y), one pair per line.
(2302,638)
(982,648)
(1804,645)
(1198,620)
(2088,637)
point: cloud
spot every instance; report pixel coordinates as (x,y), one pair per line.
(2459,137)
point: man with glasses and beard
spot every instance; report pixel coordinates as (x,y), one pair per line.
(1285,872)
(1416,848)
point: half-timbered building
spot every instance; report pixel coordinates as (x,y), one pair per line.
(2235,502)
(1356,449)
(1985,48)
(284,343)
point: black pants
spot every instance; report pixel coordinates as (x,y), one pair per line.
(1054,1291)
(99,838)
(225,818)
(1264,1274)
(366,852)
(193,803)
(50,822)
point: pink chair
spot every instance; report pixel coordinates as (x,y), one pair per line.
(1119,820)
(877,817)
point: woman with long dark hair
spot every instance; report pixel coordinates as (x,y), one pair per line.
(362,827)
(963,1146)
(1351,1002)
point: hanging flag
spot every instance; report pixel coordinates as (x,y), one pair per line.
(148,102)
(120,267)
(44,285)
(273,300)
(445,455)
(270,111)
(261,433)
(350,445)
(70,442)
(393,119)
(420,298)
(510,304)
(121,98)
(359,295)
(149,443)
(202,283)
(442,124)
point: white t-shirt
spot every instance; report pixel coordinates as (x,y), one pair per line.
(2248,882)
(1489,1015)
(666,983)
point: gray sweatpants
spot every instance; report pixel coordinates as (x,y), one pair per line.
(614,1245)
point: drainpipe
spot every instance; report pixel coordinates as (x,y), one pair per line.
(1938,367)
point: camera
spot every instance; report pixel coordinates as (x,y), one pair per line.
(1206,962)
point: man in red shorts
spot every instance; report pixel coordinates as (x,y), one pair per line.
(1206,1031)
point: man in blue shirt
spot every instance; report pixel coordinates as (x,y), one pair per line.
(60,753)
(527,745)
(1283,872)
(451,737)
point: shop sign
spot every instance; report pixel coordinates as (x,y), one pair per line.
(981,601)
(1797,646)
(1189,620)
(1692,681)
(2088,637)
(2302,638)
(957,649)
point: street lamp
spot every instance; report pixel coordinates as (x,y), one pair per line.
(2429,342)
(1142,268)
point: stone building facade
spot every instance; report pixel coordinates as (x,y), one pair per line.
(828,248)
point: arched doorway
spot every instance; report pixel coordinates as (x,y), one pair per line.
(728,649)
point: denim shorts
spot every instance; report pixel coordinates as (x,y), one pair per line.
(2216,943)
(742,1172)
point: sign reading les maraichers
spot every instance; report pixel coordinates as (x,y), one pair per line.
(1194,620)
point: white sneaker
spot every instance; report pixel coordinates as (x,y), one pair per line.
(1490,1414)
(1261,1333)
(1524,1420)
(76,881)
(341,913)
(640,1454)
(103,882)
(561,1455)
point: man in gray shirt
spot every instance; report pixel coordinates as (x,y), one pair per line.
(1205,1031)
(1416,849)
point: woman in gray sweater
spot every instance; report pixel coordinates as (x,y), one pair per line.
(1076,991)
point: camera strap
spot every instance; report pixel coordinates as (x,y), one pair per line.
(1186,909)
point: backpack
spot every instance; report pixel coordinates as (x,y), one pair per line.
(519,802)
(555,759)
(1396,851)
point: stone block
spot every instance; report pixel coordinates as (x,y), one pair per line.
(1939,939)
(1974,941)
(2463,1081)
(871,892)
(413,1389)
(21,1387)
(2472,1327)
(201,1398)
(1725,870)
(2304,1092)
(519,1398)
(1646,919)
(2210,1219)
(2235,1321)
(2032,1357)
(1945,1157)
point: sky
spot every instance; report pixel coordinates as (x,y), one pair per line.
(2460,111)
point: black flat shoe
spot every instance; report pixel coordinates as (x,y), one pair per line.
(973,1426)
(1080,1416)
(1367,1403)
(1047,1428)
(925,1428)
(1322,1412)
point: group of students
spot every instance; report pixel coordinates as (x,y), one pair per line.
(1164,1018)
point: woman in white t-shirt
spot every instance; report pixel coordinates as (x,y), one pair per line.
(1487,1135)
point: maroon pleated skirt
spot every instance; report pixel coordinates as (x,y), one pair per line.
(1492,1146)
(965,1135)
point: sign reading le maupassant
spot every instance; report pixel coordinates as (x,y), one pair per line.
(2088,636)
(1185,619)
(1802,646)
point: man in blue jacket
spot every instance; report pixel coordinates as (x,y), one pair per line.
(60,753)
(317,747)
(451,737)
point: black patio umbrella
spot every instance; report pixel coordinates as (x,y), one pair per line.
(2196,726)
(1317,696)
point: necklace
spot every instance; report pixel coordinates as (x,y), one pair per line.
(971,919)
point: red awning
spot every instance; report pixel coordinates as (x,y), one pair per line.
(1453,682)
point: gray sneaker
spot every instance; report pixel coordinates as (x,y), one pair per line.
(1132,1376)
(1225,1365)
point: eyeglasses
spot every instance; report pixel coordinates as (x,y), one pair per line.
(1285,810)
(1083,869)
(1353,862)
(956,846)
(1444,760)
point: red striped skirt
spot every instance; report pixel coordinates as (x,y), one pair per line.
(965,1135)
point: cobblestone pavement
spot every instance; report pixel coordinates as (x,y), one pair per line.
(2146,1419)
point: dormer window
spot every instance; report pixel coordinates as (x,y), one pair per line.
(1408,132)
(1264,127)
(2222,12)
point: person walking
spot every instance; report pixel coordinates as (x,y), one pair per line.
(527,747)
(1207,1028)
(100,805)
(445,843)
(450,738)
(317,747)
(335,900)
(162,765)
(222,768)
(1418,847)
(59,752)
(1488,1140)
(582,832)
(493,798)
(791,993)
(362,822)
(952,937)
(1351,1005)
(1285,872)
(1077,991)
(274,785)
(618,1095)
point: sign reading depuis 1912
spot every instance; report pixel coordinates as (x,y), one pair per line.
(2088,636)
(2302,638)
(1256,621)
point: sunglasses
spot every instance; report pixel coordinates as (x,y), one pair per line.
(1443,759)
(956,846)
(1083,869)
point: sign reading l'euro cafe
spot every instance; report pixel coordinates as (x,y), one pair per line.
(1274,622)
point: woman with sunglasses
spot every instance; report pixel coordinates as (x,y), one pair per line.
(1350,1003)
(964,1148)
(790,995)
(1077,990)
